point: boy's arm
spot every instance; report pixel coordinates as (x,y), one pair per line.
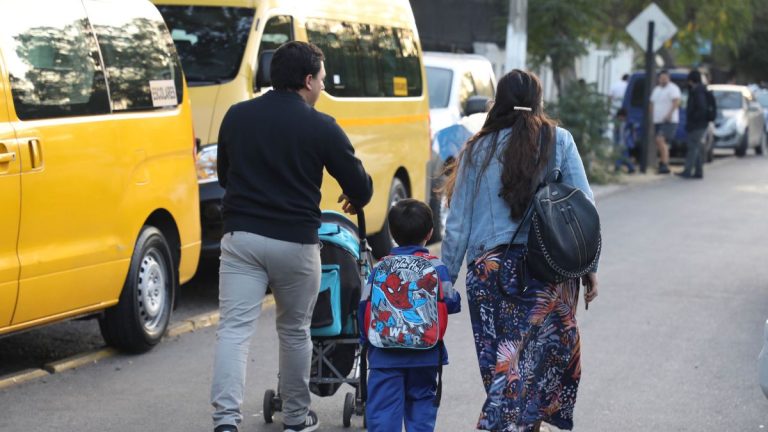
(452,297)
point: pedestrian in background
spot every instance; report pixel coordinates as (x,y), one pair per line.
(272,152)
(626,142)
(616,99)
(525,330)
(696,124)
(665,101)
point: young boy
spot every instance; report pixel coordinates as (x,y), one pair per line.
(402,382)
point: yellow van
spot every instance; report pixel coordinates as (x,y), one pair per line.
(100,211)
(375,87)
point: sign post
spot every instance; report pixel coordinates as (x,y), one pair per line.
(650,29)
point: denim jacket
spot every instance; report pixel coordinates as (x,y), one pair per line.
(479,219)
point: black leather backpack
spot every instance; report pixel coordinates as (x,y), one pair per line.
(564,241)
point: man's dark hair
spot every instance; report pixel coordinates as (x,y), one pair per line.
(625,77)
(663,72)
(409,221)
(292,62)
(694,76)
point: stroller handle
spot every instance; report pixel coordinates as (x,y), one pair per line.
(361,231)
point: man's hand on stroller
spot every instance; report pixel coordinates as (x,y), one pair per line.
(347,206)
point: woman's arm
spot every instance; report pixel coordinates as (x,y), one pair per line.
(572,167)
(459,222)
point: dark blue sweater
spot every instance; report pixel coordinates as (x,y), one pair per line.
(272,151)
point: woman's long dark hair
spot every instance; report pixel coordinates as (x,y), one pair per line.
(520,156)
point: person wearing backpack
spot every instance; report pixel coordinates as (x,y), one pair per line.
(697,115)
(403,318)
(525,331)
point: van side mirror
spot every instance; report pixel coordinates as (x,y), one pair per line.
(263,74)
(476,104)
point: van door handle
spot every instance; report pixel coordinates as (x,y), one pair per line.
(34,151)
(7,157)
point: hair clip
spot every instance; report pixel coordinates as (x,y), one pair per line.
(519,108)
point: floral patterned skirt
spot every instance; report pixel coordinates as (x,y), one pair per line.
(527,344)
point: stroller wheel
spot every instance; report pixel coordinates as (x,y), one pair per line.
(349,409)
(269,398)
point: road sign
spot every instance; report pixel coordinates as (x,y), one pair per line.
(664,30)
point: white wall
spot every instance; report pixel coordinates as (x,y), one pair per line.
(602,67)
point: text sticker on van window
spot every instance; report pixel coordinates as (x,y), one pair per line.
(163,93)
(400,86)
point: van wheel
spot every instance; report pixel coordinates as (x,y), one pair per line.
(438,226)
(139,320)
(760,149)
(382,242)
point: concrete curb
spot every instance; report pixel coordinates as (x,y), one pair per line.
(78,360)
(188,325)
(21,377)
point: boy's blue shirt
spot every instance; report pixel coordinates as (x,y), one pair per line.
(410,358)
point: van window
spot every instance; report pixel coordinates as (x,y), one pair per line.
(210,40)
(277,31)
(439,86)
(143,71)
(53,60)
(483,82)
(363,60)
(466,90)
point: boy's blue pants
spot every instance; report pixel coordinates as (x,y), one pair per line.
(401,394)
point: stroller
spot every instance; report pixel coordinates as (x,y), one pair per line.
(336,351)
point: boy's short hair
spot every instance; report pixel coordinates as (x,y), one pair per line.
(409,221)
(292,62)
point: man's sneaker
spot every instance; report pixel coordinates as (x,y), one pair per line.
(225,428)
(663,169)
(310,423)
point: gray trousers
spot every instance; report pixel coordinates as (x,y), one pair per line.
(250,262)
(694,159)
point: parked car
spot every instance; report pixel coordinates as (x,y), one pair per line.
(740,123)
(460,87)
(97,169)
(633,104)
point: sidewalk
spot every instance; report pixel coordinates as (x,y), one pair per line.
(628,181)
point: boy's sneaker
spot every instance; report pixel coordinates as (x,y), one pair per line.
(225,428)
(310,423)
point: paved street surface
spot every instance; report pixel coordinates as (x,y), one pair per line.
(669,345)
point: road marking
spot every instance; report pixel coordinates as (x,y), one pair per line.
(20,377)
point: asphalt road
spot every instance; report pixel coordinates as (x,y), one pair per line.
(669,345)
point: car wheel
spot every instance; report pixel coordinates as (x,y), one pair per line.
(760,149)
(139,320)
(438,227)
(741,150)
(382,243)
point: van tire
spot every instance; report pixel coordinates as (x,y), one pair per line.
(382,242)
(141,317)
(741,150)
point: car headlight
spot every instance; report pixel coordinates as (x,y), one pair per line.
(206,163)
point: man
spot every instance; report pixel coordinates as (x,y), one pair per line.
(695,126)
(665,101)
(272,151)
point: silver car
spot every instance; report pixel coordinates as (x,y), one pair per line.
(740,123)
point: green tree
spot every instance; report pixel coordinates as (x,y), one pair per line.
(750,59)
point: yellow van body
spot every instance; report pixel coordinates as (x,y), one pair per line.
(390,134)
(80,190)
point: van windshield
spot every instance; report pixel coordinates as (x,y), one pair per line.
(439,86)
(210,40)
(728,99)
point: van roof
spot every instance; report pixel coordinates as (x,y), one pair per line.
(453,60)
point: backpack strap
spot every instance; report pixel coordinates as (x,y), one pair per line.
(439,392)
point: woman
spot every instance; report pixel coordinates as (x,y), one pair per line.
(525,330)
